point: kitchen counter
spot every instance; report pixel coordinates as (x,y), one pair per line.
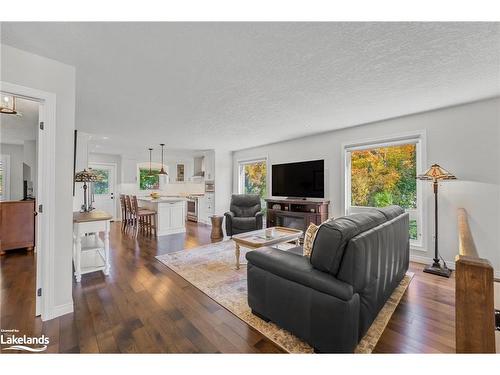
(170,213)
(161,199)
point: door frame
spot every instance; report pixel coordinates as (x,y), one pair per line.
(115,168)
(46,183)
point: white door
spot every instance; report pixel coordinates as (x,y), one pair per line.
(104,191)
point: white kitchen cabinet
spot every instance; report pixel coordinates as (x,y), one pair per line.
(206,208)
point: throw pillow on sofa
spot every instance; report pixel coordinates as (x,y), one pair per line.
(309,239)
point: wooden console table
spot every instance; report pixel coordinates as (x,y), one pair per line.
(296,213)
(90,254)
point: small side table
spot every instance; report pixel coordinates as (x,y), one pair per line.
(90,254)
(216,227)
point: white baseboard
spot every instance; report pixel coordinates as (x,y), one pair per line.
(59,310)
(427,260)
(449,263)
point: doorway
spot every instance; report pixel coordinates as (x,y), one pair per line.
(104,191)
(41,188)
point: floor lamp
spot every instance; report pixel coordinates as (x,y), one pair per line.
(435,174)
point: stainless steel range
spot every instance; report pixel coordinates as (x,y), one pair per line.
(192,208)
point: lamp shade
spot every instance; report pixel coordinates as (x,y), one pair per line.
(87,176)
(436,173)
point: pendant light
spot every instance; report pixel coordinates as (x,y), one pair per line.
(8,106)
(162,171)
(150,171)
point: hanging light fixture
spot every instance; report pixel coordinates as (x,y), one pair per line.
(162,171)
(150,171)
(8,105)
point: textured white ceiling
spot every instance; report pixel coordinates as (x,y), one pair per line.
(237,85)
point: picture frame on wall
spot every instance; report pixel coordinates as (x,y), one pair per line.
(180,175)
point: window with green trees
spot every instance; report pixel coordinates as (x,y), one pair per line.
(383,176)
(101,186)
(147,180)
(253,178)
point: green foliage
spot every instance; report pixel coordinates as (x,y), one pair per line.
(384,176)
(255,179)
(147,181)
(413,230)
(101,187)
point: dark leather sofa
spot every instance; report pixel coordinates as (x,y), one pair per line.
(245,214)
(330,299)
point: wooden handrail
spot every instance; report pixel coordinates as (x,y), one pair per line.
(474,307)
(466,244)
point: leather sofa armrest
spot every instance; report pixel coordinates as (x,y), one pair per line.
(298,269)
(258,217)
(229,214)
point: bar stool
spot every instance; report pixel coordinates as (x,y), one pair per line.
(144,219)
(130,219)
(124,211)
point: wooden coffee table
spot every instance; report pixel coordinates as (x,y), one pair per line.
(264,237)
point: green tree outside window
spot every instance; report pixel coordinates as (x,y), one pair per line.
(147,181)
(384,176)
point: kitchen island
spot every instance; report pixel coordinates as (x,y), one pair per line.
(170,213)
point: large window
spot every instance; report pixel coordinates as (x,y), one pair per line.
(149,181)
(382,174)
(253,177)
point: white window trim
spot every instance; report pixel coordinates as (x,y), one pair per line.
(6,177)
(242,163)
(420,138)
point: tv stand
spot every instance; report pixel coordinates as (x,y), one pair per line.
(296,213)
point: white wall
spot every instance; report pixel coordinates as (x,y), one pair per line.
(30,153)
(26,69)
(464,139)
(16,169)
(223,180)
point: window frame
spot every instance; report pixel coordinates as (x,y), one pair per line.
(419,139)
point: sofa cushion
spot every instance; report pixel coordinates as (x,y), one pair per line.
(246,223)
(390,212)
(333,236)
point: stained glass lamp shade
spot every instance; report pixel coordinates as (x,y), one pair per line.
(87,176)
(436,173)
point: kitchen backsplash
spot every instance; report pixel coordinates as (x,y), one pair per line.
(168,189)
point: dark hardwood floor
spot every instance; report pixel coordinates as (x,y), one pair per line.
(144,307)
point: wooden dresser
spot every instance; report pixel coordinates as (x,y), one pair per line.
(17,225)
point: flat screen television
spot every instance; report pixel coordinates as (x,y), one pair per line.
(299,180)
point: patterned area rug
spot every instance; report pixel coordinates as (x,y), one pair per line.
(211,269)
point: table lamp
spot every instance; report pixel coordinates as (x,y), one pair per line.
(86,176)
